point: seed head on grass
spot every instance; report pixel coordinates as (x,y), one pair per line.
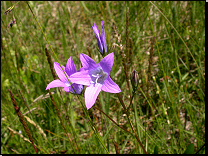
(21,118)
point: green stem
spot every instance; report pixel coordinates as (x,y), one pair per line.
(112,120)
(131,101)
(84,108)
(179,37)
(127,114)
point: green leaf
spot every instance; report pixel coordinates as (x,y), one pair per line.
(190,149)
(184,77)
(156,150)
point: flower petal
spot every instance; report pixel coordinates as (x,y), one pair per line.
(110,86)
(67,89)
(70,67)
(60,72)
(103,36)
(91,94)
(56,83)
(78,88)
(81,69)
(87,62)
(82,77)
(107,63)
(97,34)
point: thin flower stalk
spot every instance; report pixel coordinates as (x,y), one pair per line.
(113,120)
(84,108)
(61,121)
(127,114)
(134,83)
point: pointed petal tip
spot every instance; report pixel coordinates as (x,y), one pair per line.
(110,86)
(70,67)
(88,107)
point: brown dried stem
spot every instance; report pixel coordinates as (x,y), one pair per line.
(130,53)
(125,58)
(21,118)
(125,71)
(149,73)
(24,101)
(112,120)
(51,66)
(127,35)
(116,148)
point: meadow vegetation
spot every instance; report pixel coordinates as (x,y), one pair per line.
(163,41)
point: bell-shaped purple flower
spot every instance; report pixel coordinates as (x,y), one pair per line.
(63,82)
(100,37)
(96,77)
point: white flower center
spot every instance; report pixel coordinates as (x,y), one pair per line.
(98,75)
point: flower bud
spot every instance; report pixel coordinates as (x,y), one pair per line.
(134,80)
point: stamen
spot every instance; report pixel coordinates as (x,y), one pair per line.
(98,75)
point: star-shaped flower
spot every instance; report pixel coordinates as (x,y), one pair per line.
(100,37)
(63,82)
(95,77)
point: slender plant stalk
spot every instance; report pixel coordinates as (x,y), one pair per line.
(25,101)
(127,114)
(21,118)
(200,148)
(131,53)
(51,67)
(116,147)
(127,35)
(179,37)
(59,115)
(149,74)
(165,78)
(83,106)
(125,71)
(125,59)
(50,63)
(18,69)
(131,101)
(112,120)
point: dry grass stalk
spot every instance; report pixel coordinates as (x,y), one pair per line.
(21,118)
(37,126)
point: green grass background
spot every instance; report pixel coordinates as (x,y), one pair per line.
(178,52)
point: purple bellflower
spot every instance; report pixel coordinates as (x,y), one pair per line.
(100,37)
(63,82)
(95,77)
